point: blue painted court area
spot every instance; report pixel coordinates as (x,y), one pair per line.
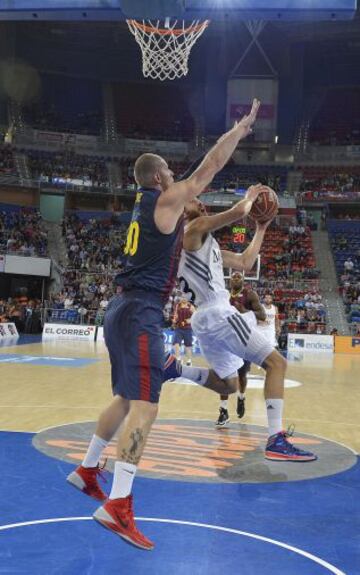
(298,528)
(53,361)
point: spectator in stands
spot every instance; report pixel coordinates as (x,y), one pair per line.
(348,265)
(68,302)
(104,303)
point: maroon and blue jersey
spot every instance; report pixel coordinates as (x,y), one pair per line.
(152,258)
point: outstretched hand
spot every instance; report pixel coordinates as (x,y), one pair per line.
(253,192)
(244,126)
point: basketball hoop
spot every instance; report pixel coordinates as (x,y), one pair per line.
(166,49)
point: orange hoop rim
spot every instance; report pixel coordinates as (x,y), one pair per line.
(151,29)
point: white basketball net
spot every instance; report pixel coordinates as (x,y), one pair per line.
(166,48)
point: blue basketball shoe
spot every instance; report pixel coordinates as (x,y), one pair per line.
(172,368)
(278,448)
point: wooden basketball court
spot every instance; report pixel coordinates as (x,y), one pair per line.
(37,396)
(207,497)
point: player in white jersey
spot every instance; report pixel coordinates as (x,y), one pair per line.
(270,328)
(226,337)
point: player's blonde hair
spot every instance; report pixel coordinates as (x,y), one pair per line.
(145,169)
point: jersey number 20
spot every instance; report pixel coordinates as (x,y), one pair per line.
(132,240)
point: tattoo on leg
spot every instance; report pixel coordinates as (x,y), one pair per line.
(133,454)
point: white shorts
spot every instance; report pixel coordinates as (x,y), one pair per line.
(227,337)
(269,334)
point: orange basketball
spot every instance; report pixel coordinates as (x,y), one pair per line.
(265,207)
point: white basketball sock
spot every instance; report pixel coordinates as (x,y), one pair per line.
(95,449)
(124,475)
(241,395)
(274,410)
(224,403)
(198,375)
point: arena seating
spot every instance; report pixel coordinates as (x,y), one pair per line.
(288,272)
(242,176)
(333,183)
(21,231)
(345,243)
(94,246)
(59,167)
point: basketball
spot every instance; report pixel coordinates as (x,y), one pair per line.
(265,206)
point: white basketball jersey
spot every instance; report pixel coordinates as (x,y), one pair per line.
(269,325)
(201,274)
(270,316)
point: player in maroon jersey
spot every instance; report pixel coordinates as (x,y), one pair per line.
(182,326)
(244,299)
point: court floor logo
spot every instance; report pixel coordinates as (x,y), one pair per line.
(185,450)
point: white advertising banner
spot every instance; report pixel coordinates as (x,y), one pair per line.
(2,263)
(56,139)
(310,342)
(67,331)
(27,266)
(8,330)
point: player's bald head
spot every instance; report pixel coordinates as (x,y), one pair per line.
(237,281)
(146,168)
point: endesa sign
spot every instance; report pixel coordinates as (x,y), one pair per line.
(67,331)
(308,342)
(8,330)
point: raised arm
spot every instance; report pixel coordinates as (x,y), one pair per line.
(207,224)
(171,204)
(246,260)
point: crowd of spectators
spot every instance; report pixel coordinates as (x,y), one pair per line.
(330,183)
(21,232)
(239,177)
(287,251)
(67,167)
(288,272)
(95,256)
(94,245)
(23,311)
(345,244)
(83,299)
(301,311)
(350,285)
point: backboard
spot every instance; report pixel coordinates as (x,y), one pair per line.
(179,9)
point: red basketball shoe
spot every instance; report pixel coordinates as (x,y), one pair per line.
(118,516)
(86,480)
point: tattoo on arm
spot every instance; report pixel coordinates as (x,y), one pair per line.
(133,454)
